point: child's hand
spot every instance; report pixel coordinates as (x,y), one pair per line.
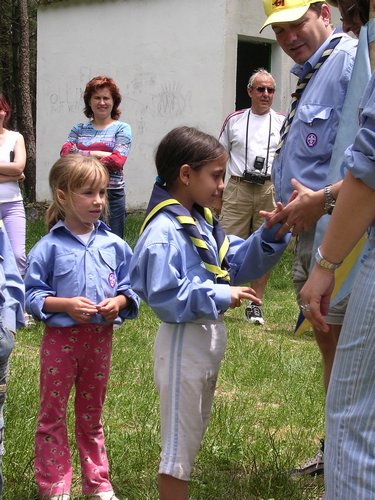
(237,293)
(110,308)
(80,309)
(271,216)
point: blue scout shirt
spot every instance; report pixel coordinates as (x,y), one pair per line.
(62,265)
(168,273)
(306,153)
(360,157)
(12,290)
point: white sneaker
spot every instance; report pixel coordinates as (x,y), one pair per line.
(29,321)
(253,314)
(104,495)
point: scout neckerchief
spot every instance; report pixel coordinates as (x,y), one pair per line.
(161,201)
(301,85)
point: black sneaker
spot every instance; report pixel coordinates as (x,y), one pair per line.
(314,466)
(253,314)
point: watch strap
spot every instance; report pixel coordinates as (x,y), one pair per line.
(329,200)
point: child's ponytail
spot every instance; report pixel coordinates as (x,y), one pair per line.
(53,215)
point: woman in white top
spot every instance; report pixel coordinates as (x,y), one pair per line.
(12,164)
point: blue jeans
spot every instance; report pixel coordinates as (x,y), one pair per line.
(117,212)
(6,347)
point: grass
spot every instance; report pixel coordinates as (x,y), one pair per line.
(267,415)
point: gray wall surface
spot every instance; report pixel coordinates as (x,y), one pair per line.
(174,61)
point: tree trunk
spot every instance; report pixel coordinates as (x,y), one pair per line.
(26,125)
(6,49)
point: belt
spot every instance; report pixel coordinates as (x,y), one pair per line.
(241,179)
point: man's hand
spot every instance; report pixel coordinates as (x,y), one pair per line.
(303,210)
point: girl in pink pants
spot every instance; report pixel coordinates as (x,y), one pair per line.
(77,283)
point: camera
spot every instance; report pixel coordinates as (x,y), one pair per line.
(259,162)
(254,177)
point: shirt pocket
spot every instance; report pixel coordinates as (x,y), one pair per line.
(108,276)
(317,129)
(65,276)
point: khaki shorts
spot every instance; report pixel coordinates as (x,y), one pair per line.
(301,267)
(241,204)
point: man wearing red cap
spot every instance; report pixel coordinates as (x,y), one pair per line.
(324,60)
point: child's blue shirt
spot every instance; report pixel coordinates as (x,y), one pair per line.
(169,275)
(12,290)
(62,265)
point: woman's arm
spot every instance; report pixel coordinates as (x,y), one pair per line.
(353,213)
(70,146)
(7,178)
(14,169)
(113,160)
(116,160)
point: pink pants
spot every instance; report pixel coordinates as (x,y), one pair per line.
(13,215)
(80,356)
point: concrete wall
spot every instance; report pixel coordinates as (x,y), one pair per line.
(174,61)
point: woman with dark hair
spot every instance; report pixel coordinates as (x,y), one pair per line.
(12,164)
(106,138)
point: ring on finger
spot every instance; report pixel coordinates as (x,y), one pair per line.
(305,307)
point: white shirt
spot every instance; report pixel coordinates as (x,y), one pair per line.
(233,138)
(9,191)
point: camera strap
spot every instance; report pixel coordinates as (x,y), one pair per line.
(268,145)
(247,140)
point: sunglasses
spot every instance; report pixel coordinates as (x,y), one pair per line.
(261,90)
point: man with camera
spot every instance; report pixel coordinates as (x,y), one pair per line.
(250,137)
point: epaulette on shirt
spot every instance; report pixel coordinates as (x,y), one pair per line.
(234,113)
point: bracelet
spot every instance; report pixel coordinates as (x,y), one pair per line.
(324,263)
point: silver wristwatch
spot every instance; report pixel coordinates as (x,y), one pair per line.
(329,200)
(322,262)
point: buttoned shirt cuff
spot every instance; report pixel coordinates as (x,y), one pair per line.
(36,308)
(131,310)
(222,297)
